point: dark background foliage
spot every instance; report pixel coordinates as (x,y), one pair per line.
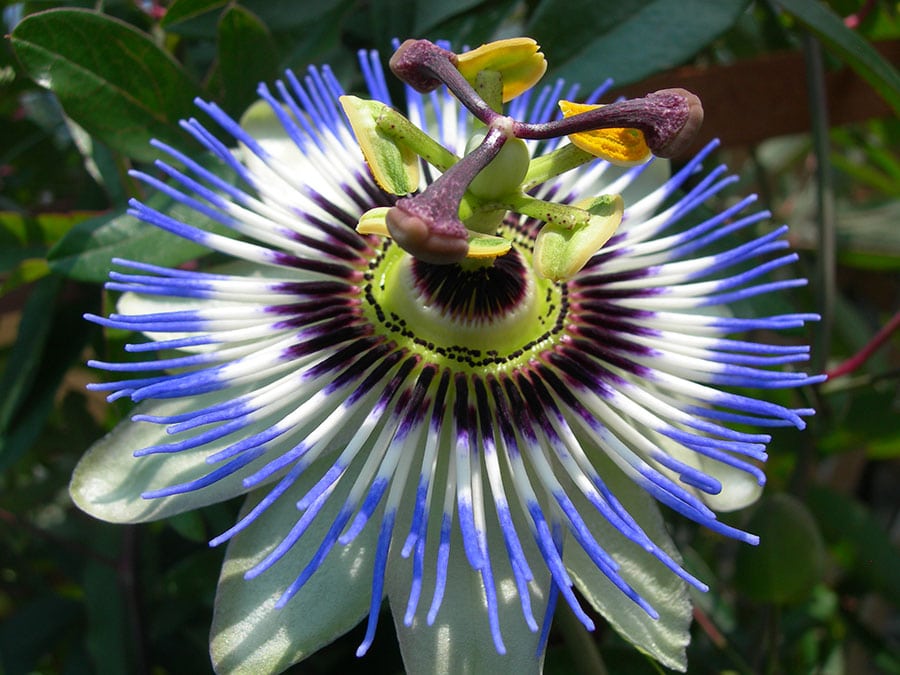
(803,93)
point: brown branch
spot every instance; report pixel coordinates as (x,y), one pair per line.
(751,100)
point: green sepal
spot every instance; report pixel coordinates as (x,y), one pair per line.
(109,480)
(667,637)
(560,251)
(459,640)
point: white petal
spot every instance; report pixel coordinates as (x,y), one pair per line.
(264,126)
(249,634)
(108,481)
(666,638)
(739,488)
(459,642)
(287,174)
(134,304)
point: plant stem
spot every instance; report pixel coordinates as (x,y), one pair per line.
(127,573)
(721,642)
(580,642)
(825,262)
(863,355)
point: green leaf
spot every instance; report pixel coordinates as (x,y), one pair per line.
(470,27)
(51,336)
(26,272)
(282,16)
(587,41)
(247,56)
(111,79)
(107,637)
(286,15)
(864,419)
(24,360)
(41,229)
(26,236)
(103,165)
(848,45)
(860,544)
(867,238)
(185,10)
(190,526)
(26,634)
(430,14)
(787,532)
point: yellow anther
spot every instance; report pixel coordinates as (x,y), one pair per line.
(486,246)
(518,60)
(373,222)
(623,147)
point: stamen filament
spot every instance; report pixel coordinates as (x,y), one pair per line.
(427,225)
(556,163)
(395,125)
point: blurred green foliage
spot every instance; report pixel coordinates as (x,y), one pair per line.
(84,86)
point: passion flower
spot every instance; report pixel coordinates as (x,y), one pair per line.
(457,361)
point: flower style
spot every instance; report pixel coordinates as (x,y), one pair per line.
(458,372)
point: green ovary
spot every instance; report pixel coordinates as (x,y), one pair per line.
(480,316)
(505,173)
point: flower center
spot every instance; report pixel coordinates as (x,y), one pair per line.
(475,314)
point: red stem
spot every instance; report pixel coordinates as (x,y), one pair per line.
(706,623)
(866,352)
(854,20)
